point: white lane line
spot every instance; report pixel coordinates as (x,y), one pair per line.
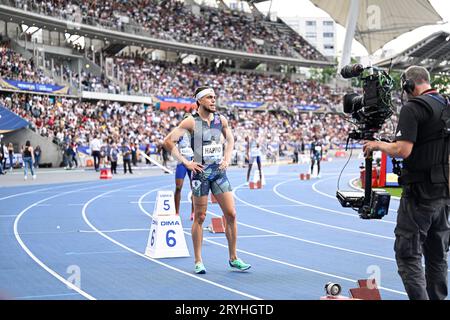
(47,296)
(352,185)
(92,252)
(334,247)
(313,242)
(136,202)
(40,190)
(115,230)
(151,259)
(310,242)
(293,265)
(334,197)
(320,192)
(304,268)
(309,221)
(34,258)
(237,205)
(85,191)
(275,189)
(240,237)
(275,205)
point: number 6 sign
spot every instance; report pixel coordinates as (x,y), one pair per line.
(166,238)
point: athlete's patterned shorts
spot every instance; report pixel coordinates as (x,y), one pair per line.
(210,179)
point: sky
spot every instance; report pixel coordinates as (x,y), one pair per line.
(289,8)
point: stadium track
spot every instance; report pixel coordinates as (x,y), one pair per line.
(293,232)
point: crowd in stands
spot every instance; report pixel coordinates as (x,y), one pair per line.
(141,76)
(162,78)
(173,20)
(66,120)
(70,121)
(14,66)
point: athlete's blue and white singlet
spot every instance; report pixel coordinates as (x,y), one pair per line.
(208,150)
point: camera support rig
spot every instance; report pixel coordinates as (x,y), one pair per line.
(371,204)
(369,112)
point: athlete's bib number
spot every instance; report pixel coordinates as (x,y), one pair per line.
(254,153)
(318,148)
(213,151)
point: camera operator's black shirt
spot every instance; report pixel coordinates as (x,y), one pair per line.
(412,121)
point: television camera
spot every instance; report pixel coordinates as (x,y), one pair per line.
(369,112)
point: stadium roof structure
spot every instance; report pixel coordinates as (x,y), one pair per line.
(380,21)
(433,53)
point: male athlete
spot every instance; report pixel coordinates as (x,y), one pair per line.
(208,171)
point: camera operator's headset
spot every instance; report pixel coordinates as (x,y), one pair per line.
(408,85)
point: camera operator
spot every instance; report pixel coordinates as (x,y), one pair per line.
(423,226)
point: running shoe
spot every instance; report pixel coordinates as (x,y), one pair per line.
(200,268)
(239,264)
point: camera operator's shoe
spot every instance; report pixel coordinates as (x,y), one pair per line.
(239,265)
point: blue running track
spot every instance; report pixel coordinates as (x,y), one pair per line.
(294,233)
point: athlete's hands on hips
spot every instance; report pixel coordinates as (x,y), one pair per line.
(194,166)
(223,164)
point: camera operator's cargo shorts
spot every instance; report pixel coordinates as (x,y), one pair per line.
(211,178)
